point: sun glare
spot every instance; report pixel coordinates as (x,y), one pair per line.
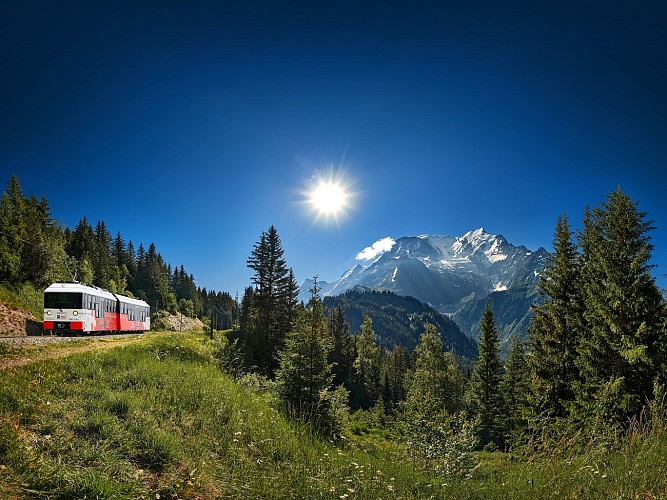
(328,198)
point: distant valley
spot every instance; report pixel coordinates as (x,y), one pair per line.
(399,320)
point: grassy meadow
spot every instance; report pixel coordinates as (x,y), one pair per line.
(158,419)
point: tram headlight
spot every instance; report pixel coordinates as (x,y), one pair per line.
(75,313)
(48,313)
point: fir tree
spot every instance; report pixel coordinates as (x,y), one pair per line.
(367,368)
(304,374)
(398,366)
(436,377)
(288,292)
(273,299)
(103,262)
(13,231)
(485,399)
(343,354)
(515,387)
(553,332)
(620,350)
(31,243)
(118,250)
(131,259)
(82,242)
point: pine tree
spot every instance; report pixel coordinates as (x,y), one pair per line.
(131,260)
(342,355)
(620,350)
(31,242)
(139,282)
(436,377)
(118,250)
(367,368)
(82,242)
(287,295)
(304,374)
(398,366)
(43,259)
(273,299)
(13,231)
(247,326)
(103,262)
(553,332)
(151,281)
(485,399)
(515,387)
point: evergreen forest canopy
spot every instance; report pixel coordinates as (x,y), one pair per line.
(399,319)
(36,249)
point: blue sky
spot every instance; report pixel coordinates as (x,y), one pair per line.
(197,125)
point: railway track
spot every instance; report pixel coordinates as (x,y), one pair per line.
(28,349)
(48,339)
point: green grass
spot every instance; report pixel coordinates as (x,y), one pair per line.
(159,418)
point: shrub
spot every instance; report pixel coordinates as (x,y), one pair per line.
(230,357)
(443,442)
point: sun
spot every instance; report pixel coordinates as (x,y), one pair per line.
(328,197)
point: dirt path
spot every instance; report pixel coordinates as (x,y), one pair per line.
(24,355)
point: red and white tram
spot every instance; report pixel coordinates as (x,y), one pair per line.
(76,308)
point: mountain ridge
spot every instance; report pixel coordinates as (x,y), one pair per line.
(399,319)
(451,274)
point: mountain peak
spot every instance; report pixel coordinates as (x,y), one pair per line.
(477,232)
(447,272)
(444,271)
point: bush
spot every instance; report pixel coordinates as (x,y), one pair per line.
(159,321)
(335,411)
(443,442)
(230,357)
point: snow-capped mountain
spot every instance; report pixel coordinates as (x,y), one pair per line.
(446,272)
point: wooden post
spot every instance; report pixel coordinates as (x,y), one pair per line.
(212,317)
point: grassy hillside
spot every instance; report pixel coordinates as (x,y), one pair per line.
(25,296)
(159,418)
